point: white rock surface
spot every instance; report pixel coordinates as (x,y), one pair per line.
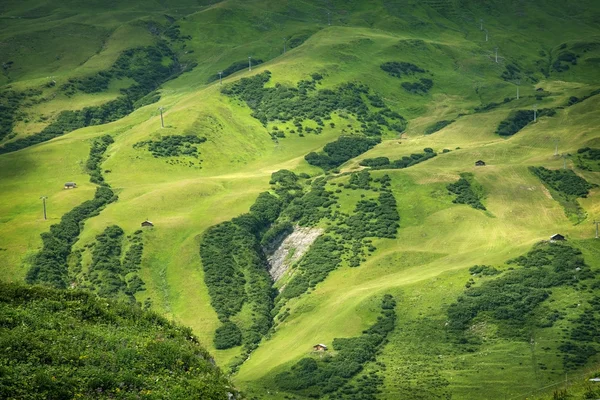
(293,247)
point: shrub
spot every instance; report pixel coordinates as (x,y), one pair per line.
(465,194)
(513,298)
(227,336)
(338,152)
(173,145)
(422,86)
(437,126)
(397,69)
(519,119)
(566,182)
(59,344)
(404,162)
(304,102)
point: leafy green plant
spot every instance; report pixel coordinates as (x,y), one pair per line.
(519,119)
(399,69)
(404,162)
(439,125)
(565,186)
(65,344)
(338,152)
(465,192)
(173,145)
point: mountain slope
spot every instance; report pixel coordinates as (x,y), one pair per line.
(426,266)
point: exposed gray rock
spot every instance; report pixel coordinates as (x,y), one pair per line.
(291,250)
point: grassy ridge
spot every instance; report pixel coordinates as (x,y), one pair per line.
(60,344)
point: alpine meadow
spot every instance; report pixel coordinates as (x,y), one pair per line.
(312,199)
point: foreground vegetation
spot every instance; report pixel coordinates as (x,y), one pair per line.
(69,344)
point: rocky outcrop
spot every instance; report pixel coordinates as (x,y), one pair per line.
(291,249)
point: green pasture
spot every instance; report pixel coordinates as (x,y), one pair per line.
(425,266)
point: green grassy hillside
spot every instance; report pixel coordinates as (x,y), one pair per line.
(428,62)
(61,344)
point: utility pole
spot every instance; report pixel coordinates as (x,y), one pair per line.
(486,35)
(328,17)
(162,121)
(518,84)
(556,141)
(496,54)
(220,77)
(564,156)
(535,113)
(249,63)
(596,223)
(44,203)
(284,43)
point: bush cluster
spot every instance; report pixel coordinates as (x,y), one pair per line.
(235,271)
(59,344)
(404,162)
(347,237)
(144,65)
(49,265)
(439,125)
(90,84)
(583,340)
(360,180)
(588,158)
(227,336)
(575,100)
(338,152)
(563,181)
(465,193)
(96,157)
(371,219)
(511,73)
(10,101)
(323,257)
(422,86)
(484,270)
(365,387)
(561,64)
(313,206)
(275,235)
(173,145)
(513,298)
(319,377)
(108,276)
(285,184)
(398,69)
(519,119)
(304,102)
